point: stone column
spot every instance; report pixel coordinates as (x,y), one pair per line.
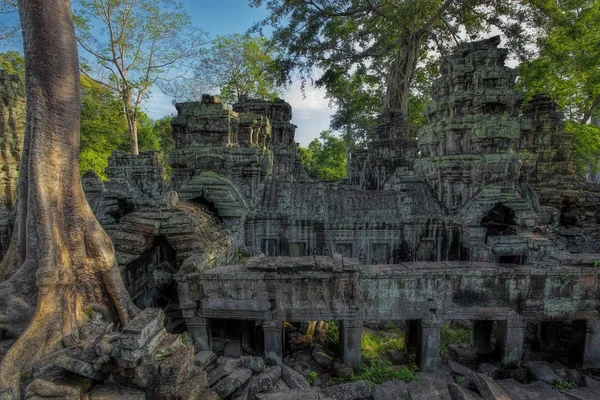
(350,338)
(481,336)
(429,354)
(273,332)
(591,354)
(509,340)
(199,329)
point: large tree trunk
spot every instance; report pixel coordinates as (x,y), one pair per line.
(130,113)
(63,261)
(401,74)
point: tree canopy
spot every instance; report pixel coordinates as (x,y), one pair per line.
(566,68)
(134,45)
(233,66)
(325,158)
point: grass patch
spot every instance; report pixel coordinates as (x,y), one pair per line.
(564,385)
(375,343)
(380,371)
(452,334)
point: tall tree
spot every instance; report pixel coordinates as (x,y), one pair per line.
(380,37)
(325,157)
(136,44)
(566,68)
(60,261)
(234,66)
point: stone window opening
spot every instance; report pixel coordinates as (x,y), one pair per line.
(499,221)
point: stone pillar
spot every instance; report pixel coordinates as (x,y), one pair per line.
(273,332)
(199,329)
(509,340)
(350,335)
(429,352)
(481,337)
(591,354)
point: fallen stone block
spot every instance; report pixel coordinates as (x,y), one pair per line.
(541,371)
(349,391)
(222,370)
(422,390)
(264,381)
(461,369)
(489,389)
(391,391)
(459,393)
(490,370)
(321,357)
(230,383)
(341,370)
(204,358)
(294,379)
(514,389)
(142,328)
(146,349)
(115,392)
(541,391)
(78,367)
(579,394)
(254,364)
(592,385)
(291,395)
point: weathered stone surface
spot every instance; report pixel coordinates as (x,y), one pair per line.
(321,357)
(142,328)
(592,384)
(226,367)
(461,369)
(203,358)
(390,391)
(265,380)
(422,390)
(291,395)
(230,383)
(489,389)
(341,370)
(514,389)
(541,371)
(293,379)
(40,389)
(349,391)
(490,370)
(579,394)
(78,367)
(254,364)
(459,393)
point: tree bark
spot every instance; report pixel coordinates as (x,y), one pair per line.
(401,74)
(63,261)
(130,113)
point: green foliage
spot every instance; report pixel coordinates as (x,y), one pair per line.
(133,45)
(325,158)
(564,385)
(235,66)
(13,63)
(376,343)
(381,39)
(452,334)
(379,371)
(312,377)
(332,333)
(586,145)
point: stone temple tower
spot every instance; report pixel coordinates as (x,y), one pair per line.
(473,138)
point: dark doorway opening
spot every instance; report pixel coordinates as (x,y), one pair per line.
(499,221)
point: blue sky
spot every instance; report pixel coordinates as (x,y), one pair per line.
(223,17)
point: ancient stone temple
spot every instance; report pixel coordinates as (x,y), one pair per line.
(478,219)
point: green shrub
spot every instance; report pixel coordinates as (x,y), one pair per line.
(375,343)
(332,332)
(452,334)
(380,371)
(564,385)
(312,377)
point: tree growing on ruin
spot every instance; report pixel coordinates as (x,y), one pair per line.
(381,38)
(60,262)
(234,66)
(325,157)
(135,44)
